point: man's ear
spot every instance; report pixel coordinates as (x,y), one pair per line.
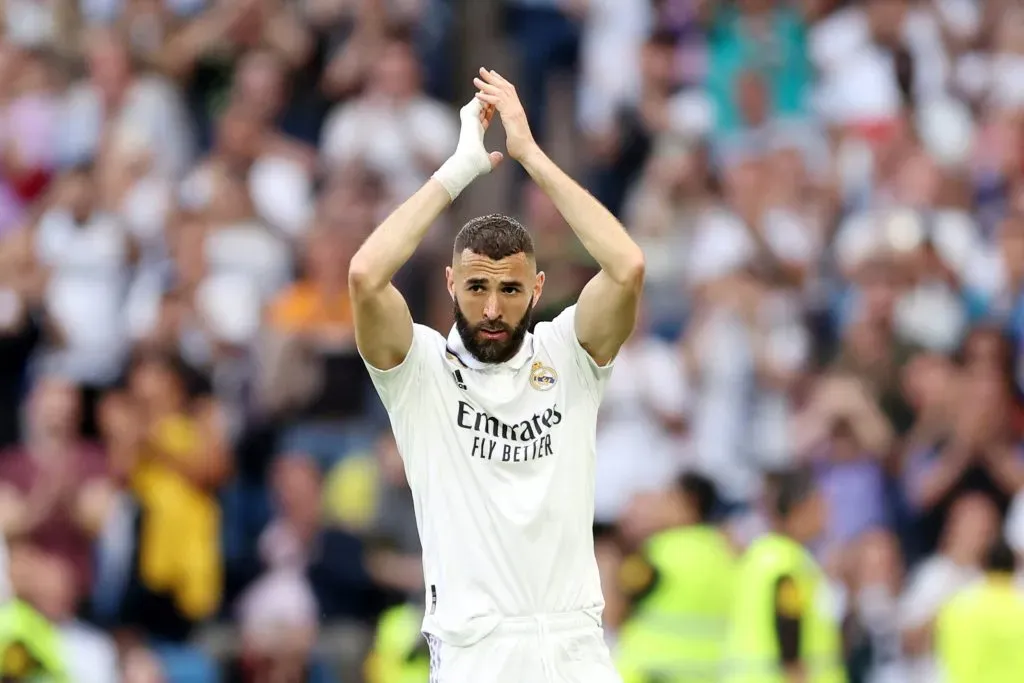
(538,287)
(450,281)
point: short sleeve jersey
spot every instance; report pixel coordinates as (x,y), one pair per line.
(500,460)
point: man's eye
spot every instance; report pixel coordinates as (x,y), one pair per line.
(510,290)
(476,288)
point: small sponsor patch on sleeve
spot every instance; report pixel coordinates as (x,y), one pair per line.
(789,601)
(636,576)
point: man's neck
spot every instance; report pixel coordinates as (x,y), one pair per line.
(304,528)
(114,99)
(793,532)
(393,101)
(457,346)
(962,559)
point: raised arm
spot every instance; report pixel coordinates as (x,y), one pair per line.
(382,320)
(607,309)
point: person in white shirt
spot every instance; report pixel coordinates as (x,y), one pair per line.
(394,127)
(641,444)
(972,527)
(497,426)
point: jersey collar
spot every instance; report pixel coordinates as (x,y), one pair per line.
(459,350)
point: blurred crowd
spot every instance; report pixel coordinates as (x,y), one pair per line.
(198,482)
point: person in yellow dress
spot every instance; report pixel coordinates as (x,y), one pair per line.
(181,461)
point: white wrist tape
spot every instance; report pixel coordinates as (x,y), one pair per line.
(470,160)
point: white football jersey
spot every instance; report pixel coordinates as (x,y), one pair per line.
(500,460)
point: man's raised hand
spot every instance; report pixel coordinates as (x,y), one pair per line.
(495,91)
(475,118)
(470,159)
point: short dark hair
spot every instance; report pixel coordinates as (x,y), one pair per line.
(402,33)
(788,488)
(495,236)
(1000,558)
(663,38)
(702,493)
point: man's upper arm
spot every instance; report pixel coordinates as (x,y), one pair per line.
(592,375)
(401,381)
(605,316)
(383,327)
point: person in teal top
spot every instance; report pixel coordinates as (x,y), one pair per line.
(757,41)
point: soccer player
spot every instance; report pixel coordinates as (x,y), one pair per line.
(496,426)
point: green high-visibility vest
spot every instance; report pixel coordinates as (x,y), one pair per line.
(980,633)
(752,654)
(677,632)
(30,646)
(399,652)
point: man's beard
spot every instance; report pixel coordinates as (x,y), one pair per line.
(492,350)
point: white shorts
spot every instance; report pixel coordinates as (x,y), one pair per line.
(558,648)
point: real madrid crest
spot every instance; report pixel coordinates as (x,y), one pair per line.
(542,377)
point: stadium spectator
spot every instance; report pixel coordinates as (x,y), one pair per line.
(181,458)
(49,482)
(394,127)
(971,529)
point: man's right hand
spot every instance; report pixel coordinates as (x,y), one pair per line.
(470,159)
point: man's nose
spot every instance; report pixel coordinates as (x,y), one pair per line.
(491,309)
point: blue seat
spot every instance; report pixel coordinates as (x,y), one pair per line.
(319,672)
(185,664)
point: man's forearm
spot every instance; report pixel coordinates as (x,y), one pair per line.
(602,235)
(872,429)
(938,481)
(395,240)
(1005,469)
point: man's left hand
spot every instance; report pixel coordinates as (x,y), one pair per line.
(494,90)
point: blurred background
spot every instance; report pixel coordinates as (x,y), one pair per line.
(198,483)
